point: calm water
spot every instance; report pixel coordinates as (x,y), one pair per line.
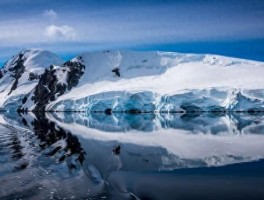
(98,156)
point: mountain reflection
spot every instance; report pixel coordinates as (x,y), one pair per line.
(53,135)
(11,150)
(43,136)
(48,134)
(130,156)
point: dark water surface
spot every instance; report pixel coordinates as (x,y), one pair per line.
(147,156)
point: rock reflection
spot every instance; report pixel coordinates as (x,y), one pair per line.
(11,150)
(43,138)
(37,156)
(63,143)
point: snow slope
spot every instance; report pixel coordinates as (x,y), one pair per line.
(162,81)
(21,73)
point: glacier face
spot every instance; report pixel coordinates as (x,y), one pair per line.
(211,100)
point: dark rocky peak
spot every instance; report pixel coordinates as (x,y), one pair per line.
(47,89)
(17,70)
(1,74)
(75,69)
(18,64)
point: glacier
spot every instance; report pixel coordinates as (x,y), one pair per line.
(132,82)
(164,82)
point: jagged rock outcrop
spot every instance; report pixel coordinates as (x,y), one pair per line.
(17,70)
(1,74)
(75,71)
(53,83)
(46,89)
(33,76)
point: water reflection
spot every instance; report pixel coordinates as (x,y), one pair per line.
(49,134)
(37,156)
(130,156)
(205,122)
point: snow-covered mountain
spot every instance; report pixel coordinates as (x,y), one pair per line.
(21,74)
(151,81)
(129,81)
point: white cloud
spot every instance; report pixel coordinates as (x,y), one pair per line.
(51,14)
(60,33)
(57,32)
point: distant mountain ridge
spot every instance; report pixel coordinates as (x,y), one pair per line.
(130,81)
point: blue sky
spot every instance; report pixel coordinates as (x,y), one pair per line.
(69,27)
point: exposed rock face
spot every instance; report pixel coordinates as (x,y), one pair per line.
(55,82)
(1,74)
(17,71)
(116,70)
(75,71)
(33,76)
(46,89)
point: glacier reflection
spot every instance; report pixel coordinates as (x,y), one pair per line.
(204,122)
(176,141)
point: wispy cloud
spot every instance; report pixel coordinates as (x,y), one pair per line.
(128,22)
(57,32)
(60,33)
(107,24)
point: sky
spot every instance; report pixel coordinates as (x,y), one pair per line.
(70,27)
